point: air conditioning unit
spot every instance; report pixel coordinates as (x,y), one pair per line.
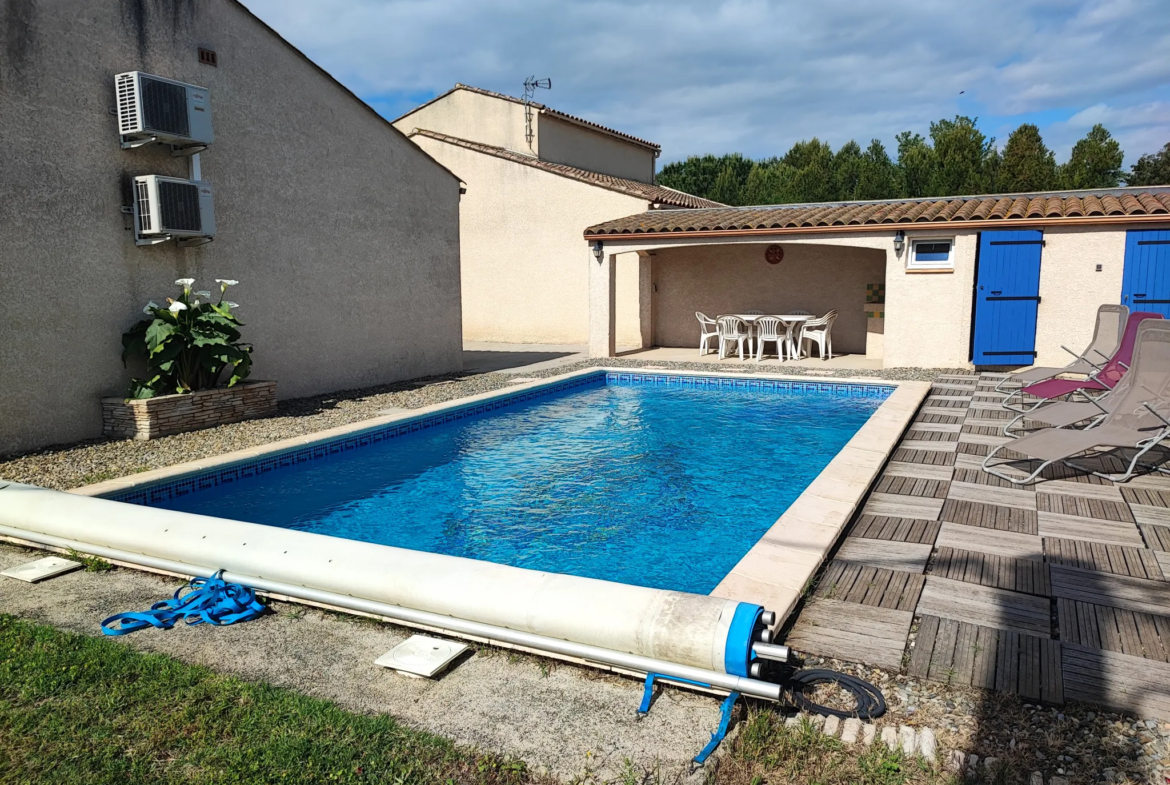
(154,109)
(171,208)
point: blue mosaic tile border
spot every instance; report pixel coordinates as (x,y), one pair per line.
(850,390)
(170,489)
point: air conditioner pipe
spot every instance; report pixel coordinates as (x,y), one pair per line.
(634,662)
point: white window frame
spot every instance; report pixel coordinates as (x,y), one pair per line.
(934,265)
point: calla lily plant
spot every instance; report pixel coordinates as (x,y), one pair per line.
(187,343)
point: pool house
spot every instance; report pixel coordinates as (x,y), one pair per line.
(998,280)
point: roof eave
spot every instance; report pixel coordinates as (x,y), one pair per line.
(932,226)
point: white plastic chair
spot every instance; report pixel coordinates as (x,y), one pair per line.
(752,330)
(770,329)
(800,313)
(732,329)
(708,329)
(820,331)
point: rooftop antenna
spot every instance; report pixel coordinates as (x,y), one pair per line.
(530,85)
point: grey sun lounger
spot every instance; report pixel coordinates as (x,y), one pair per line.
(1107,334)
(1137,418)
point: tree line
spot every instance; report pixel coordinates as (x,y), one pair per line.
(957,159)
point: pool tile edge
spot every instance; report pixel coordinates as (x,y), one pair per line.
(778,569)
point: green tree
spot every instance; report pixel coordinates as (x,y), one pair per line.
(1151,169)
(728,186)
(1095,162)
(879,176)
(812,176)
(847,167)
(696,175)
(769,182)
(1027,163)
(916,165)
(960,150)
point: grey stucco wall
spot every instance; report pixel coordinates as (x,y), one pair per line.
(345,235)
(565,143)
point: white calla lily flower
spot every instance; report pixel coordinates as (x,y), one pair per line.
(149,307)
(176,307)
(226,281)
(185,282)
(203,293)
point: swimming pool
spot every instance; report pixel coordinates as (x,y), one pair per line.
(657,480)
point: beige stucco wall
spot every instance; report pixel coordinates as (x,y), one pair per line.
(476,117)
(736,278)
(928,314)
(1071,289)
(525,266)
(344,235)
(570,144)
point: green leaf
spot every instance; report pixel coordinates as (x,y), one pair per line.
(157,334)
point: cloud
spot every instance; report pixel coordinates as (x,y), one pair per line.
(754,76)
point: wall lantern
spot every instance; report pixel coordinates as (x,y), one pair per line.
(899,241)
(598,251)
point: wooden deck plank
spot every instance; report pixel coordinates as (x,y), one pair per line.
(887,554)
(991,494)
(923,647)
(905,454)
(848,631)
(1154,516)
(1007,672)
(1116,681)
(1122,560)
(1051,672)
(1050,524)
(912,486)
(964,659)
(944,650)
(985,606)
(999,543)
(1083,506)
(1156,537)
(989,516)
(986,654)
(924,470)
(896,506)
(1029,666)
(1118,591)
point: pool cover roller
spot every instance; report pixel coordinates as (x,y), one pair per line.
(694,630)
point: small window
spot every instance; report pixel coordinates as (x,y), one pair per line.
(931,255)
(207,57)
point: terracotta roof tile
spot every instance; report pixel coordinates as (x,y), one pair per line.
(650,192)
(1048,207)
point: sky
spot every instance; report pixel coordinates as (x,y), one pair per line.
(753,76)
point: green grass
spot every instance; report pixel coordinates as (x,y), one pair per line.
(77,709)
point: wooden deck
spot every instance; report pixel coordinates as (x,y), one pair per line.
(1056,591)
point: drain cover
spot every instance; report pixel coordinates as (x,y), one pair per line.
(419,655)
(41,569)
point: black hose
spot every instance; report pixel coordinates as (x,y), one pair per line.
(870,703)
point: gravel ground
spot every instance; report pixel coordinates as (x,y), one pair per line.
(70,466)
(1079,742)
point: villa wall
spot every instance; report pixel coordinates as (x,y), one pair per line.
(525,271)
(344,235)
(566,143)
(476,117)
(735,278)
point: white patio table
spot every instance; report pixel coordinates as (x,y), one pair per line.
(790,320)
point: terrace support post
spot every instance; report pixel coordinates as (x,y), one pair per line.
(646,298)
(603,306)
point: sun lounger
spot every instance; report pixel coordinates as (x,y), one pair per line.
(1137,420)
(1101,381)
(1106,338)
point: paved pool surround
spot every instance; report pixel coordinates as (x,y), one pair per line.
(773,573)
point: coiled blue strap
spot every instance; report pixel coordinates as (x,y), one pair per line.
(210,600)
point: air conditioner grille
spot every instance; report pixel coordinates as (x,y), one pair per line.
(127,104)
(179,206)
(142,196)
(164,107)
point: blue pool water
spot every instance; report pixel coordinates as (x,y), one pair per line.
(660,486)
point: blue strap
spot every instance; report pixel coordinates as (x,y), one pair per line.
(648,690)
(203,600)
(721,731)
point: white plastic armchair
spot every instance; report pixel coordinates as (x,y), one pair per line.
(708,329)
(820,332)
(732,329)
(770,329)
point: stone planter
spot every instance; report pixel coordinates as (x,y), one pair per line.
(150,418)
